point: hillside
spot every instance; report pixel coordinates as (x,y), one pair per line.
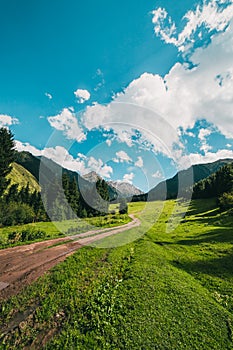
(21,176)
(53,170)
(169,188)
(216,184)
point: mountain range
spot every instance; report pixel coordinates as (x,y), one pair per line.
(184,180)
(167,189)
(123,189)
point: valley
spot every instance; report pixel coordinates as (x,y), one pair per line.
(162,290)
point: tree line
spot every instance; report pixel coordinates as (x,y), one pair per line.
(56,202)
(218,185)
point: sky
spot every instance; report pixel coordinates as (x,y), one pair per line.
(133,91)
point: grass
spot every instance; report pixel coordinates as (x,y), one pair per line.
(63,228)
(21,176)
(165,290)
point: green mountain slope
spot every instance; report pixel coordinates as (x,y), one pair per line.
(50,169)
(21,176)
(215,184)
(181,181)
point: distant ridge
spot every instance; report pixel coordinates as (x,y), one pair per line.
(123,189)
(168,189)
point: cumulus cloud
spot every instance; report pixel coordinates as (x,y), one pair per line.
(60,155)
(122,157)
(25,146)
(207,18)
(68,123)
(203,134)
(158,107)
(7,120)
(99,167)
(139,162)
(208,157)
(128,178)
(82,95)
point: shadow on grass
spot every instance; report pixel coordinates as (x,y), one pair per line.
(221,266)
(205,212)
(218,235)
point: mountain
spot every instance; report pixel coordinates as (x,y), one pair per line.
(45,171)
(21,176)
(216,184)
(92,177)
(50,169)
(182,181)
(117,188)
(125,189)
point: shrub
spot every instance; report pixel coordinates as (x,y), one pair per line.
(17,213)
(25,235)
(226,201)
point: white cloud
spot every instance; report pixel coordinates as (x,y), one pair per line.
(82,156)
(208,157)
(122,157)
(139,162)
(47,94)
(203,134)
(158,107)
(61,156)
(128,178)
(7,120)
(99,167)
(157,175)
(58,154)
(82,95)
(228,145)
(109,142)
(21,147)
(210,16)
(68,123)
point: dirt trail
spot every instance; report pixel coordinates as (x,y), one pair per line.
(21,265)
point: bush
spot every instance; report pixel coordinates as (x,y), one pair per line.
(225,202)
(17,213)
(25,235)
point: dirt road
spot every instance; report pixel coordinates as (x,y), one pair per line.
(19,266)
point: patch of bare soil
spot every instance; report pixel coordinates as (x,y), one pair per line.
(20,266)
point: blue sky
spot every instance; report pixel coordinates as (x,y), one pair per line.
(134,92)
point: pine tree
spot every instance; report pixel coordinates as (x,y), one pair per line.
(7,156)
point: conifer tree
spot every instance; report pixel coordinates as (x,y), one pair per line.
(7,156)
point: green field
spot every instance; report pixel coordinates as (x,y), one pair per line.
(163,290)
(62,228)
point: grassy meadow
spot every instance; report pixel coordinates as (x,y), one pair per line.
(149,288)
(60,229)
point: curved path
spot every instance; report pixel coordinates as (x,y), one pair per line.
(21,265)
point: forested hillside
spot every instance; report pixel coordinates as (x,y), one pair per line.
(219,185)
(21,195)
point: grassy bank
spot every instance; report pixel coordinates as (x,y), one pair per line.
(163,291)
